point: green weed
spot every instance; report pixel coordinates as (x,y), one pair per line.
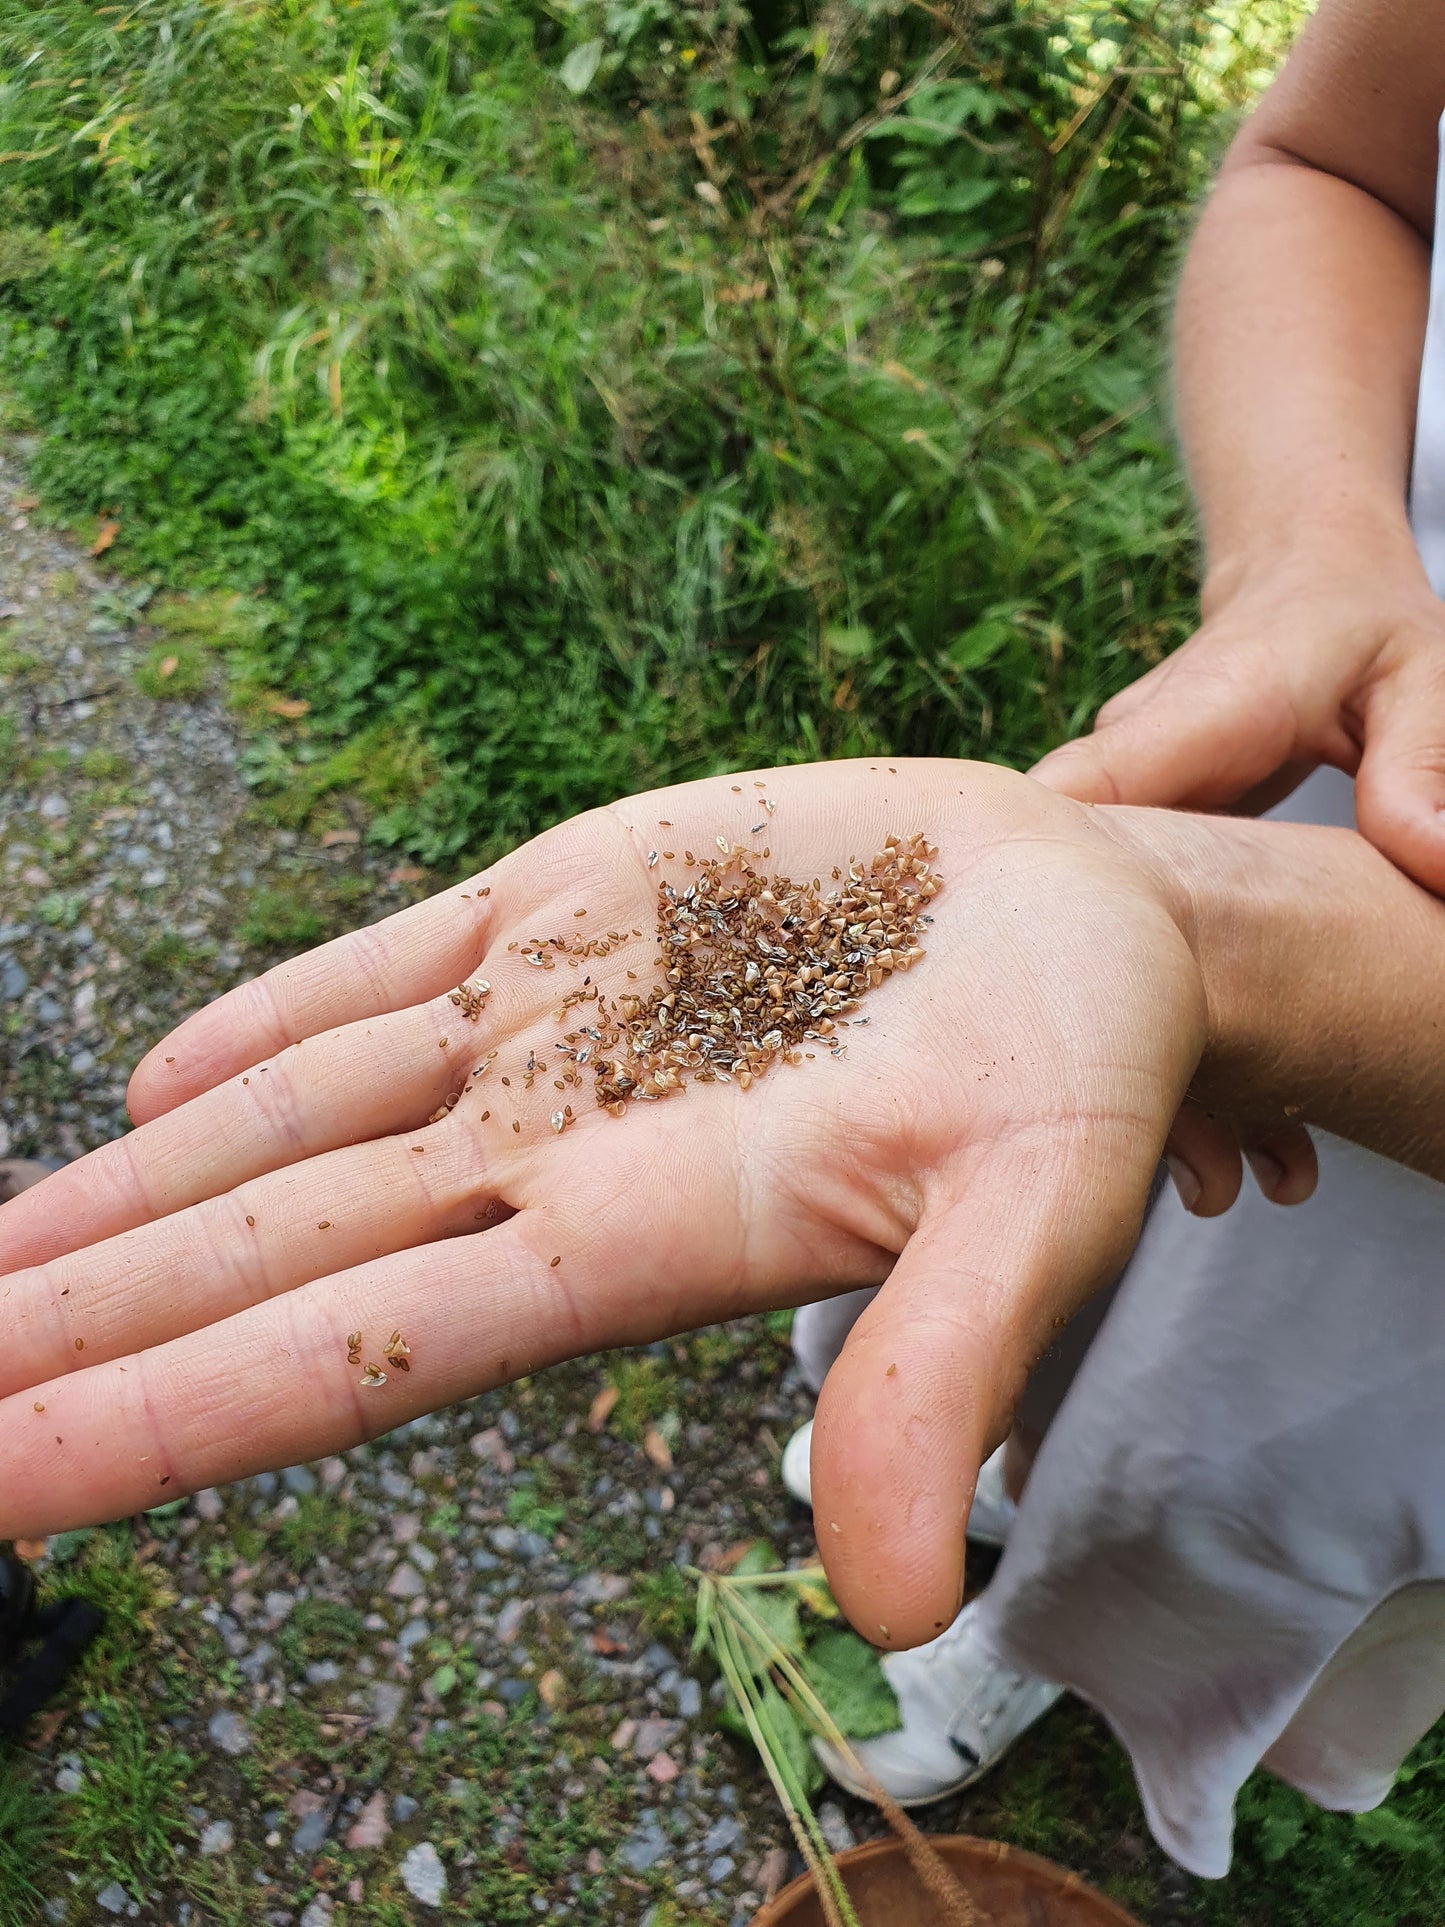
(172,671)
(128,1814)
(278,920)
(563,448)
(27,1822)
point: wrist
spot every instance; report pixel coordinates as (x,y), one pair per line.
(1364,545)
(1251,900)
(1320,965)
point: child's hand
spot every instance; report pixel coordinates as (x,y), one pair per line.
(178,1305)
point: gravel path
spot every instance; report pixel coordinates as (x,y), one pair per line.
(444,1677)
(404,1677)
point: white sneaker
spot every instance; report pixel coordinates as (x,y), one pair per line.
(990,1517)
(961,1711)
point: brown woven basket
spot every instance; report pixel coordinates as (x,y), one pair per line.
(1010,1889)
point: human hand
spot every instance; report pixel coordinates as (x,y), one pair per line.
(1338,662)
(178,1304)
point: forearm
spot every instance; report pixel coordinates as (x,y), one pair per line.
(1324,971)
(1298,334)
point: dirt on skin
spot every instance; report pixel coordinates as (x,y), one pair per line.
(446,1676)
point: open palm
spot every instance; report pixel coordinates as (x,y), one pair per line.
(179,1304)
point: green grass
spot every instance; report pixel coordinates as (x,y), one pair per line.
(124,1822)
(546,446)
(279,920)
(27,1823)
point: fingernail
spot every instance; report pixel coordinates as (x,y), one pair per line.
(1267,1169)
(1185,1182)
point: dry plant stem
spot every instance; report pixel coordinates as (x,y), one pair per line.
(837,1907)
(959,1909)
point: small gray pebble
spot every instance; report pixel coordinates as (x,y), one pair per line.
(114,1898)
(311,1834)
(404,1808)
(219,1837)
(229,1732)
(424,1876)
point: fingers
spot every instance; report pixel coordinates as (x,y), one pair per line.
(406,959)
(201,1266)
(1202,1154)
(273,1385)
(928,1379)
(362,1081)
(1196,732)
(1400,789)
(1284,1162)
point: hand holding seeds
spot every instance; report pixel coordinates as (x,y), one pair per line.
(714,1049)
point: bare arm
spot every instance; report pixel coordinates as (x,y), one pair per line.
(1323,969)
(1298,334)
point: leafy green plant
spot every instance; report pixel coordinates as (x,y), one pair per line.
(787,1683)
(572,398)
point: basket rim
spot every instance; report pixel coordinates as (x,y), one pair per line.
(974,1847)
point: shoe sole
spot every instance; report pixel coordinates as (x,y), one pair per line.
(836,1768)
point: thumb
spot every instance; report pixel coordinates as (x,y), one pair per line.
(926,1385)
(1195,733)
(1400,788)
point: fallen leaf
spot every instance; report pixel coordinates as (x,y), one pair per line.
(601,1408)
(31,1548)
(662,1768)
(551,1688)
(25,502)
(406,873)
(657,1449)
(289,706)
(168,666)
(705,191)
(332,838)
(607,1646)
(105,536)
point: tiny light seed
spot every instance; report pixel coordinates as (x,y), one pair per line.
(325,1225)
(249,1219)
(516,1127)
(80,1344)
(39,1407)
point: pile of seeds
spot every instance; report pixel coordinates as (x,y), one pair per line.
(753,968)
